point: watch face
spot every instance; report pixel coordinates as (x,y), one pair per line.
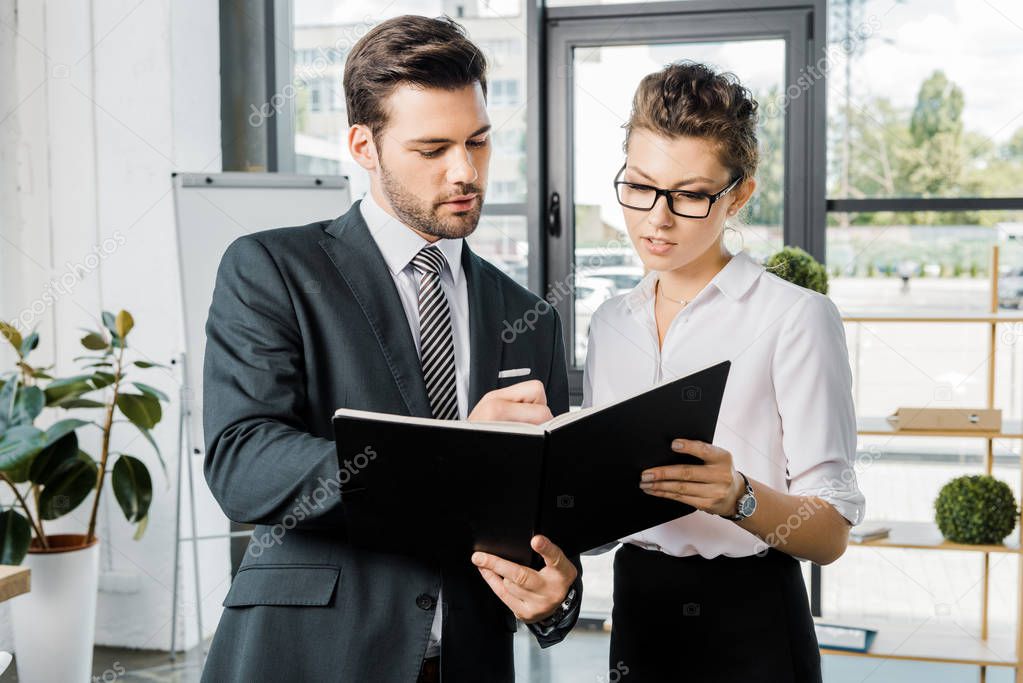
(747,505)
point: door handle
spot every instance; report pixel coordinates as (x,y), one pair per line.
(554,215)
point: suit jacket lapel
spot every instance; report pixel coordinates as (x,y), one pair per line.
(359,262)
(486,320)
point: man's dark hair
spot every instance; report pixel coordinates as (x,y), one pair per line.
(415,50)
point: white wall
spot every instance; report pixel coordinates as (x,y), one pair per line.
(100,101)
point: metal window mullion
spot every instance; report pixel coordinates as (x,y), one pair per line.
(915,204)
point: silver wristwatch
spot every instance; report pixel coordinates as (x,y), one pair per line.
(746,505)
(546,626)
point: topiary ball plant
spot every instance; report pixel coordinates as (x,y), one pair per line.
(976,509)
(797,266)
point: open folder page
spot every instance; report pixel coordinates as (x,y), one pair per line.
(440,489)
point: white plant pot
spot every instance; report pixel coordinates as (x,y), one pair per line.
(55,622)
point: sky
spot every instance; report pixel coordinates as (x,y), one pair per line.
(978,44)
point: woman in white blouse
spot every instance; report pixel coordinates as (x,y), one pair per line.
(717,595)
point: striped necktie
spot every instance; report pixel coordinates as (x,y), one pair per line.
(436,342)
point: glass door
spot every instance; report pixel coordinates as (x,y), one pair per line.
(594,66)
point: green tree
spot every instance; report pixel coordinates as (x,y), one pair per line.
(936,130)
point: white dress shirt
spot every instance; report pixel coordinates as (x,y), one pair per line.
(787,413)
(399,245)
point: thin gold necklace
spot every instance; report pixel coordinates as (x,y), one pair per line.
(683,302)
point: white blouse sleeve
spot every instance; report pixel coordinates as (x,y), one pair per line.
(813,385)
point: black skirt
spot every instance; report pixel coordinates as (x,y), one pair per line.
(743,619)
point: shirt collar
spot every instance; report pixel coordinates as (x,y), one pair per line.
(734,280)
(399,244)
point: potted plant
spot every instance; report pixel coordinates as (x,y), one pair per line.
(50,476)
(799,267)
(978,509)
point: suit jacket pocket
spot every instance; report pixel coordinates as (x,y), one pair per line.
(283,584)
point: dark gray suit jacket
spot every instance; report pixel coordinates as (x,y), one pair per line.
(306,320)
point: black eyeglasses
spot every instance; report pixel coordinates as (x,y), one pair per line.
(680,202)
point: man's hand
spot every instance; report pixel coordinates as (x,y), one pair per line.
(522,402)
(531,595)
(713,486)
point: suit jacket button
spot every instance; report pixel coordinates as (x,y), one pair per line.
(425,601)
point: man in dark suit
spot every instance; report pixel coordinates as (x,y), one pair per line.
(386,309)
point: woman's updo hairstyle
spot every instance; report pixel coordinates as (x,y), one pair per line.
(691,99)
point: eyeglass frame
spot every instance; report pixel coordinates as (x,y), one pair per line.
(667,194)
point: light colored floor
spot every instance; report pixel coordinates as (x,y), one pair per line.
(581,658)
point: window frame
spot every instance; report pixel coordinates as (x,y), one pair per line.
(802,25)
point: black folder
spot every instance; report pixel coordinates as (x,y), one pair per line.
(440,489)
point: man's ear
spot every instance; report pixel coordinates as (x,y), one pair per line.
(361,147)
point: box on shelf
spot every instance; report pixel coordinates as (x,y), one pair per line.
(940,419)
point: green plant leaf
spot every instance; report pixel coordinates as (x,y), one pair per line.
(70,484)
(11,334)
(58,429)
(147,364)
(52,457)
(133,487)
(141,528)
(124,322)
(94,341)
(152,391)
(7,395)
(102,379)
(19,474)
(19,444)
(27,406)
(82,403)
(29,344)
(142,409)
(152,442)
(67,388)
(109,322)
(15,536)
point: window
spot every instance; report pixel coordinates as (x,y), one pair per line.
(504,93)
(925,150)
(501,51)
(925,179)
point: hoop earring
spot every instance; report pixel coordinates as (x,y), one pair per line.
(742,240)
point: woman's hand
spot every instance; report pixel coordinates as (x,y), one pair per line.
(713,486)
(820,535)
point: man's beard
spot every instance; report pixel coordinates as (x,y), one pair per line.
(423,216)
